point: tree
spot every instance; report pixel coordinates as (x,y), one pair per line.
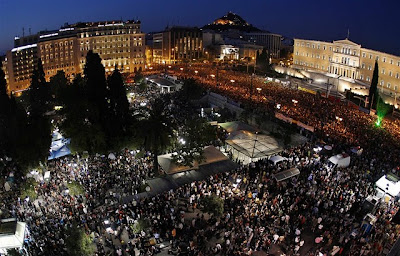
(4,113)
(262,60)
(82,121)
(119,104)
(191,90)
(138,78)
(373,89)
(95,79)
(86,108)
(58,86)
(193,136)
(78,242)
(155,129)
(117,125)
(38,131)
(39,92)
(213,204)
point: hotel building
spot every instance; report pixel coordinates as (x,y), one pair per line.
(348,60)
(119,44)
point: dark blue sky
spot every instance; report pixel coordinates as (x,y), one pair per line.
(373,24)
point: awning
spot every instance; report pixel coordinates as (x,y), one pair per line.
(286,174)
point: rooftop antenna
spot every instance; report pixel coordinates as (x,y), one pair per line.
(23,31)
(348,33)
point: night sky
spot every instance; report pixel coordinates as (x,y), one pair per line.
(373,24)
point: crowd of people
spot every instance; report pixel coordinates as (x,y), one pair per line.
(319,211)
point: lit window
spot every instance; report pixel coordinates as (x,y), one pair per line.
(388,85)
(384,59)
(368,79)
(382,82)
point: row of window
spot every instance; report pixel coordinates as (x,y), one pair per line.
(383,59)
(349,51)
(61,44)
(110,32)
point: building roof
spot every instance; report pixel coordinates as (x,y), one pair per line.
(346,41)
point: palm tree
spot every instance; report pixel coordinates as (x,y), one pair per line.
(155,129)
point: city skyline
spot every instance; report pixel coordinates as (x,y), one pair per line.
(368,23)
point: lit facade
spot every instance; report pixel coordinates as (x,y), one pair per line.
(177,44)
(119,44)
(272,42)
(345,58)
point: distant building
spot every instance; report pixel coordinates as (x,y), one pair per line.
(348,60)
(177,44)
(233,27)
(272,42)
(228,52)
(119,43)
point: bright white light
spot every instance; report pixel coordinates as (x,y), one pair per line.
(212,76)
(23,47)
(232,81)
(181,69)
(48,35)
(278,106)
(106,222)
(65,29)
(295,101)
(196,71)
(182,141)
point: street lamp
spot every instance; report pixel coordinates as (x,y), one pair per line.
(337,87)
(259,92)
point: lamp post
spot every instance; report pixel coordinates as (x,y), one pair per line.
(337,87)
(251,85)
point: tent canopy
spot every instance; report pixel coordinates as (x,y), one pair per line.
(276,159)
(12,234)
(287,174)
(237,126)
(253,145)
(211,155)
(341,160)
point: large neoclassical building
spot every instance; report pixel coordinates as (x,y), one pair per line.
(348,60)
(119,43)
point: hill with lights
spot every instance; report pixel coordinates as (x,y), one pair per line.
(231,21)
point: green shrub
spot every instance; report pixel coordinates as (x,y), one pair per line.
(75,188)
(28,189)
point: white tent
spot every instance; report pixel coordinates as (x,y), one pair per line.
(341,160)
(12,235)
(277,159)
(249,147)
(287,174)
(210,153)
(388,185)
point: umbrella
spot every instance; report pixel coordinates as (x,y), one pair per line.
(327,147)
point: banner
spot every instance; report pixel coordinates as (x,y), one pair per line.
(307,127)
(307,90)
(283,118)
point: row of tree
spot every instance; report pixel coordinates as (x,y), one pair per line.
(96,115)
(25,129)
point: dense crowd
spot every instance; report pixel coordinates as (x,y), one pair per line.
(318,211)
